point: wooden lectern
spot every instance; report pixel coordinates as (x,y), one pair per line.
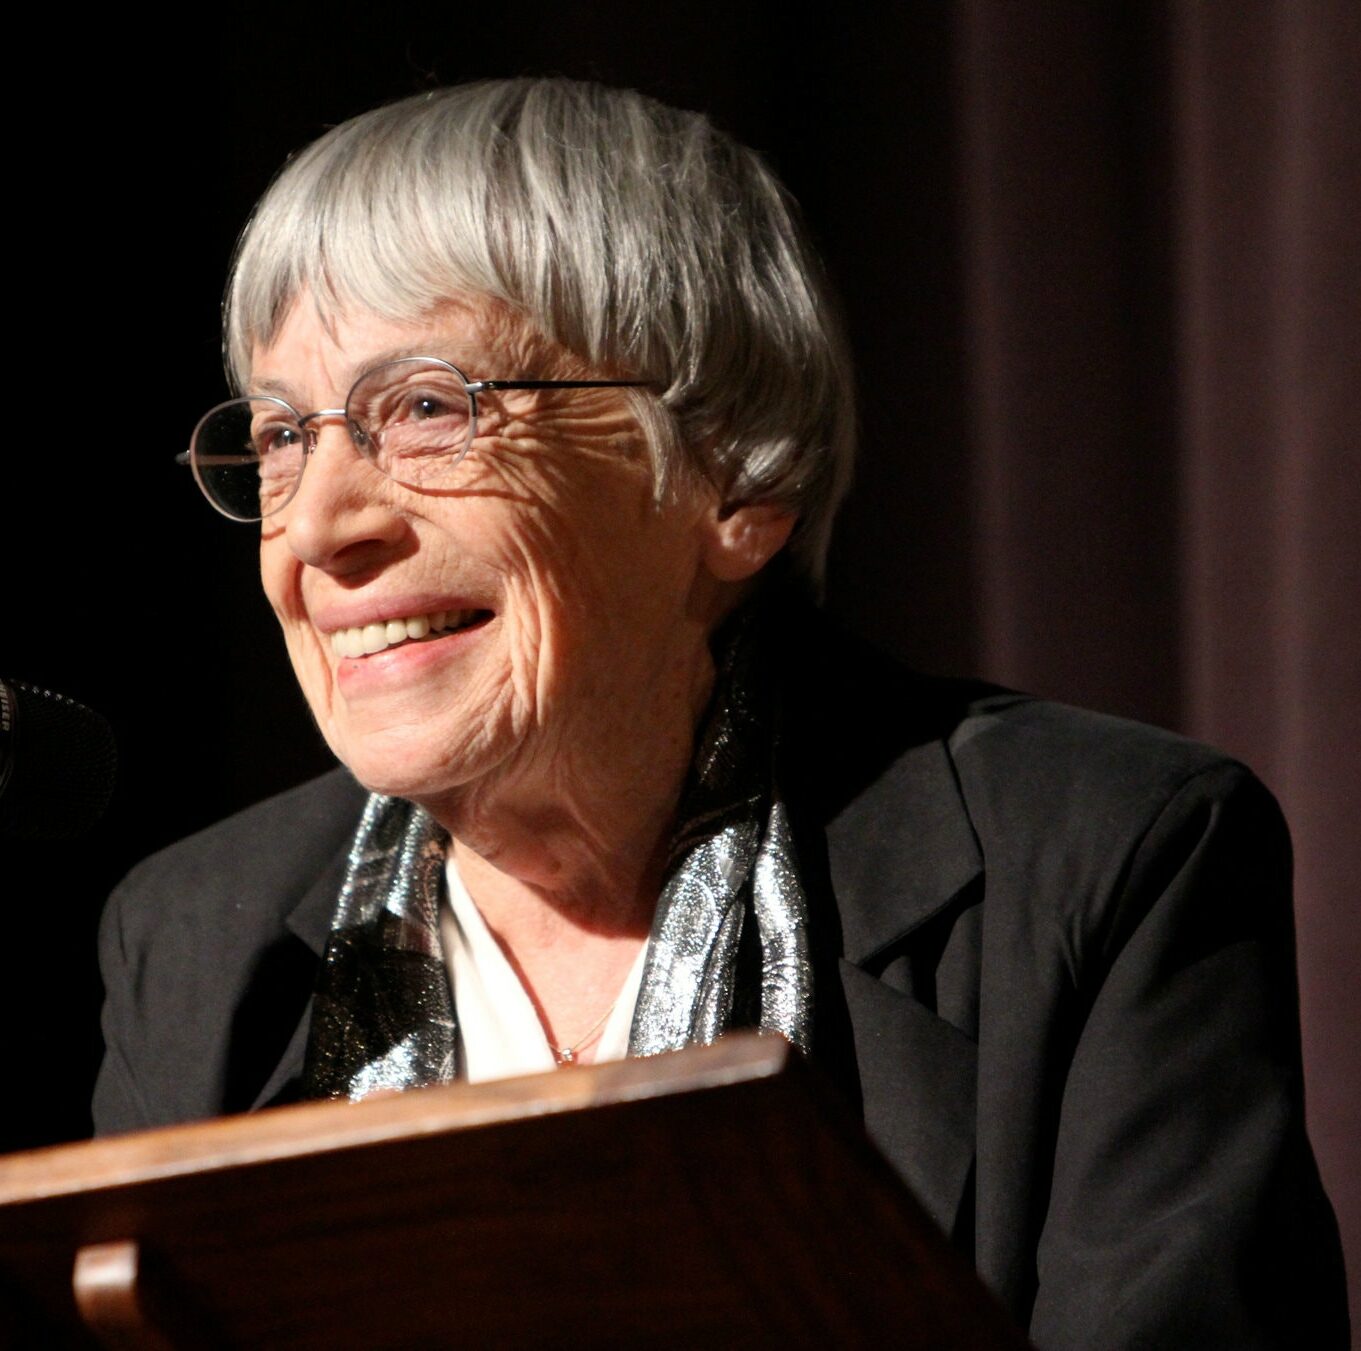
(715,1197)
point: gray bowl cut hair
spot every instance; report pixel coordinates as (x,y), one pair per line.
(633,234)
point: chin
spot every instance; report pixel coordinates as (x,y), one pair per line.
(400,763)
(380,774)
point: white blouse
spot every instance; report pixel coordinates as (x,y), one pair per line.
(499,1033)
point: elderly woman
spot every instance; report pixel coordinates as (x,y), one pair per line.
(544,419)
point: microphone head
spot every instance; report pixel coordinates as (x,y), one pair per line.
(57,761)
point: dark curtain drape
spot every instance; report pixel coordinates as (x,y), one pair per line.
(1268,157)
(1153,493)
(1100,269)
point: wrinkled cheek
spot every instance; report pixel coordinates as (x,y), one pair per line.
(546,623)
(310,667)
(522,637)
(311,672)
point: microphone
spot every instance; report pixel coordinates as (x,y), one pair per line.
(57,761)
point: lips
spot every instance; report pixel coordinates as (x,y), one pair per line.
(367,639)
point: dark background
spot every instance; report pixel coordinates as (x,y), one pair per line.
(1100,266)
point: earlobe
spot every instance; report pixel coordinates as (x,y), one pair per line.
(742,540)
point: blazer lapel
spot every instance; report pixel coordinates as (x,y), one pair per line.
(918,1086)
(310,922)
(897,856)
(900,851)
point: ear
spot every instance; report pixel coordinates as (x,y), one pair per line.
(740,541)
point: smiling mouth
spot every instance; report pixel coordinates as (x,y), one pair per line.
(371,638)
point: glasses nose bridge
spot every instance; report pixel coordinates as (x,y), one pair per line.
(307,424)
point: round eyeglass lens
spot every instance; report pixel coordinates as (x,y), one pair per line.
(413,419)
(248,455)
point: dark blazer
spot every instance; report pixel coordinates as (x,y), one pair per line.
(1055,971)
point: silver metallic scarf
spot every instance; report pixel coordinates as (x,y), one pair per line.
(729,941)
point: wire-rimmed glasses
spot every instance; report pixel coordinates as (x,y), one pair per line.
(413,419)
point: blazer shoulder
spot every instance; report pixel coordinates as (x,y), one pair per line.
(1027,758)
(1087,822)
(264,857)
(932,781)
(860,714)
(206,966)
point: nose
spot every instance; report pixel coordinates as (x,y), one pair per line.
(341,518)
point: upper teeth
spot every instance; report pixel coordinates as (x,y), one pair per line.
(370,638)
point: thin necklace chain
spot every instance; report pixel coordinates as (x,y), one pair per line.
(566,1055)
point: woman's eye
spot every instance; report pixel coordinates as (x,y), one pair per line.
(427,406)
(271,439)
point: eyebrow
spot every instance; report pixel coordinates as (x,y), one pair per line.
(281,389)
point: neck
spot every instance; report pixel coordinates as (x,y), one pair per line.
(582,849)
(540,873)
